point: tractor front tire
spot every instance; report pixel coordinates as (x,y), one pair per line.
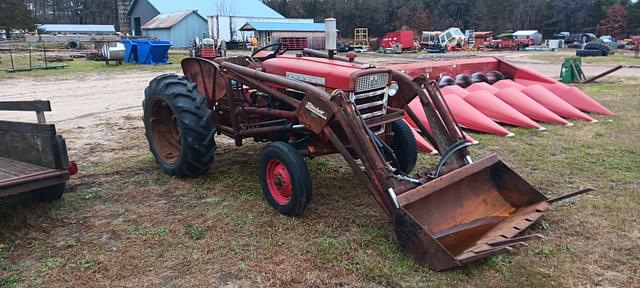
(404,146)
(179,126)
(49,194)
(285,179)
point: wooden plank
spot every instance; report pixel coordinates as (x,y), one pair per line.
(30,128)
(30,142)
(18,168)
(6,175)
(38,106)
(32,183)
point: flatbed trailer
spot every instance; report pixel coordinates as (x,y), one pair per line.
(33,157)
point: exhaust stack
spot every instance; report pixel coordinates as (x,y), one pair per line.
(330,36)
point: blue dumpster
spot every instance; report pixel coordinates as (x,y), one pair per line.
(131,51)
(153,51)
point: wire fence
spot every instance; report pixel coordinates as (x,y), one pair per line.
(26,56)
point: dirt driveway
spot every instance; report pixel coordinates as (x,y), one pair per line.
(88,109)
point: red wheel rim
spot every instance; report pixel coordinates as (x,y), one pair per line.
(279,182)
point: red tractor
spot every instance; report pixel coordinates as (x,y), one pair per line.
(316,104)
(205,48)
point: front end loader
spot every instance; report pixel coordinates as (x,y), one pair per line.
(315,104)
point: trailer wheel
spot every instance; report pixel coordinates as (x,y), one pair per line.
(285,179)
(49,194)
(179,126)
(404,146)
(72,44)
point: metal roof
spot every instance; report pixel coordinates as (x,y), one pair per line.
(237,8)
(77,28)
(283,26)
(525,32)
(483,33)
(168,20)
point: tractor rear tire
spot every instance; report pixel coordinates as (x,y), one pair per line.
(285,179)
(179,126)
(49,194)
(404,146)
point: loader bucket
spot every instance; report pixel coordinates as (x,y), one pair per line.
(468,214)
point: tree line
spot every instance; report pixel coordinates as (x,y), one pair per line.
(24,14)
(549,16)
(617,17)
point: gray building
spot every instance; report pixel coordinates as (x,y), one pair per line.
(224,17)
(179,27)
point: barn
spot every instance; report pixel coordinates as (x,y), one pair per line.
(296,35)
(178,27)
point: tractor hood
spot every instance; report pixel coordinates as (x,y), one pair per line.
(333,74)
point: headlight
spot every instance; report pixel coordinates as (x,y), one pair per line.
(393,89)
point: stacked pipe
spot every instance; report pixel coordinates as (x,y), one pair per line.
(482,101)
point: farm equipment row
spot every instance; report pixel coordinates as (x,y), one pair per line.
(316,104)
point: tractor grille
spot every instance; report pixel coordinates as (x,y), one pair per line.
(372,82)
(371,98)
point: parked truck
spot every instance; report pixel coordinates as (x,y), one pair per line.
(402,40)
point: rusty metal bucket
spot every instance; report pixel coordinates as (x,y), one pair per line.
(471,213)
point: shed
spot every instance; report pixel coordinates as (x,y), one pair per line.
(178,27)
(77,29)
(529,34)
(296,35)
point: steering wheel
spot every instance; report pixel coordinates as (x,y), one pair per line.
(278,49)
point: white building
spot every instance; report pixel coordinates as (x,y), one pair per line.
(529,34)
(219,26)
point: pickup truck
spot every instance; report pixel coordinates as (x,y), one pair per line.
(33,158)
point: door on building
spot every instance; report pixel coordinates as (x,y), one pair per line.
(137,27)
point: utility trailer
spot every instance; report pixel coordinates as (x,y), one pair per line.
(33,157)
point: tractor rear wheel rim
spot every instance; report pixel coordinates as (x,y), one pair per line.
(279,182)
(165,131)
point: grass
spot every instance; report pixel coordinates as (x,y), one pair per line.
(80,66)
(617,59)
(125,223)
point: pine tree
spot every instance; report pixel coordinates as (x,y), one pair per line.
(15,15)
